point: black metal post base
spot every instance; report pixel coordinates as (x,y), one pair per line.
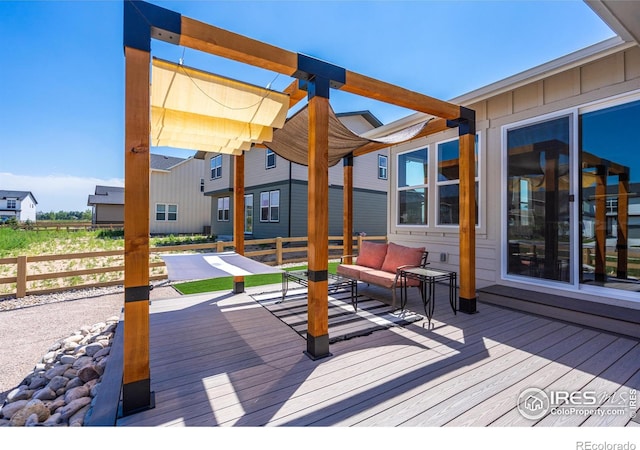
(317,347)
(137,397)
(238,287)
(468,305)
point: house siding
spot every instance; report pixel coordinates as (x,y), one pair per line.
(613,75)
(180,186)
(109,214)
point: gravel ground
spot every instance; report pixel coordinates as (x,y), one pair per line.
(30,326)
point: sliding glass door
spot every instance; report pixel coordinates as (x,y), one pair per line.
(572,199)
(609,194)
(538,200)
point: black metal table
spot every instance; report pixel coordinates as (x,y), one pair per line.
(428,278)
(335,283)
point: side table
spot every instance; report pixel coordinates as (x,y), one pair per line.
(428,279)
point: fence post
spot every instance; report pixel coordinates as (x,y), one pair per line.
(360,239)
(278,250)
(21,281)
(219,246)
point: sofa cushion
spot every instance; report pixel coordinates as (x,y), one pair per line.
(399,255)
(378,277)
(351,270)
(372,254)
(384,279)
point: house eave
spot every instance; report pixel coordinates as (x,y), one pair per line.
(567,62)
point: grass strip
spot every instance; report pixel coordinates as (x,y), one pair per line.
(226,283)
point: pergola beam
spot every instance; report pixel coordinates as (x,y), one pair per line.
(224,43)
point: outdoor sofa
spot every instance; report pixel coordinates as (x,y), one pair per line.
(380,264)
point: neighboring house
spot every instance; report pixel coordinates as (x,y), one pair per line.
(18,204)
(107,205)
(176,196)
(276,191)
(176,200)
(558,177)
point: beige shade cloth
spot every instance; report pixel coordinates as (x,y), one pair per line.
(292,141)
(196,110)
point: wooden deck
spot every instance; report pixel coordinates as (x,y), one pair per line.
(223,360)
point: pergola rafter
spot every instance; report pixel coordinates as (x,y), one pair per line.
(143,22)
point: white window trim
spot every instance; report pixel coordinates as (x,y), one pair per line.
(228,209)
(266,159)
(166,212)
(438,183)
(386,158)
(211,169)
(269,207)
(425,186)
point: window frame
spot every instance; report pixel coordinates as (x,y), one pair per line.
(438,184)
(12,201)
(164,209)
(223,213)
(270,206)
(384,158)
(425,186)
(216,167)
(269,153)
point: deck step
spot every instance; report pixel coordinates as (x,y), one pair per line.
(612,318)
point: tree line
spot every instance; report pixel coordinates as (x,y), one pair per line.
(64,215)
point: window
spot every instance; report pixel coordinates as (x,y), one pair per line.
(223,209)
(270,159)
(448,182)
(270,206)
(11,203)
(161,212)
(216,167)
(413,187)
(201,184)
(172,212)
(166,212)
(382,167)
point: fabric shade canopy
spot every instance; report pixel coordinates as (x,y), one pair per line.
(291,142)
(196,110)
(184,267)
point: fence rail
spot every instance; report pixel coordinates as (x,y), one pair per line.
(25,271)
(66,225)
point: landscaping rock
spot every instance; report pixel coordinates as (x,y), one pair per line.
(61,389)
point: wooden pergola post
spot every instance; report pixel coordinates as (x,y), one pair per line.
(318,77)
(467,133)
(136,381)
(136,377)
(347,209)
(238,215)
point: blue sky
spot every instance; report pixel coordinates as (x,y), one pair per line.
(62,76)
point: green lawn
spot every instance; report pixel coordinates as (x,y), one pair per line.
(226,283)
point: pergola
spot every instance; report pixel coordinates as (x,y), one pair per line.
(314,80)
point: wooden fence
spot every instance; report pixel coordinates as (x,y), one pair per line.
(65,225)
(26,273)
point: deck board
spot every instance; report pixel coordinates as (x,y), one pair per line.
(223,360)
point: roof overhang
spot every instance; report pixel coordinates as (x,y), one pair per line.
(623,17)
